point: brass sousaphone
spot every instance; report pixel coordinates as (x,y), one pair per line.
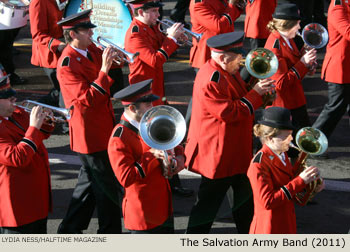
(163,128)
(310,141)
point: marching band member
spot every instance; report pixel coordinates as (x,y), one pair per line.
(25,186)
(155,48)
(273,178)
(293,65)
(147,204)
(335,68)
(209,17)
(82,72)
(223,113)
(47,46)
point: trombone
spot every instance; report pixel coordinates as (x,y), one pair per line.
(168,23)
(28,105)
(127,56)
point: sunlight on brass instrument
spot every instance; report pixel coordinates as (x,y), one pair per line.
(60,115)
(310,141)
(315,36)
(163,128)
(127,56)
(168,23)
(261,63)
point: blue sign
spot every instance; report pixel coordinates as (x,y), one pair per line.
(111,17)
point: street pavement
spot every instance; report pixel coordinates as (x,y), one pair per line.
(328,213)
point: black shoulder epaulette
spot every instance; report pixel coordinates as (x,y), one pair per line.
(257,158)
(65,61)
(135,28)
(338,2)
(277,44)
(118,132)
(215,77)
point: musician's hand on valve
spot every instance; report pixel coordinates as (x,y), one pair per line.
(310,174)
(175,31)
(49,119)
(107,59)
(264,86)
(309,57)
(37,117)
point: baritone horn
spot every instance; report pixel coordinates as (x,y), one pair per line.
(163,128)
(314,35)
(261,63)
(310,141)
(60,115)
(127,56)
(168,23)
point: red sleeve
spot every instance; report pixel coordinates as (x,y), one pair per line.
(215,100)
(19,154)
(153,57)
(39,27)
(270,196)
(125,167)
(98,91)
(218,23)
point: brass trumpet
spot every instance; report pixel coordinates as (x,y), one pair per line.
(310,141)
(168,23)
(127,56)
(28,105)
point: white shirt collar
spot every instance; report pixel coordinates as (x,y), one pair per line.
(287,40)
(133,122)
(281,156)
(82,52)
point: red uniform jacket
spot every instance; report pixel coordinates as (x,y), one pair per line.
(44,15)
(25,186)
(220,134)
(155,49)
(336,62)
(86,88)
(210,17)
(147,201)
(274,187)
(258,15)
(291,71)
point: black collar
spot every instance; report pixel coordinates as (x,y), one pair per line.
(129,125)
